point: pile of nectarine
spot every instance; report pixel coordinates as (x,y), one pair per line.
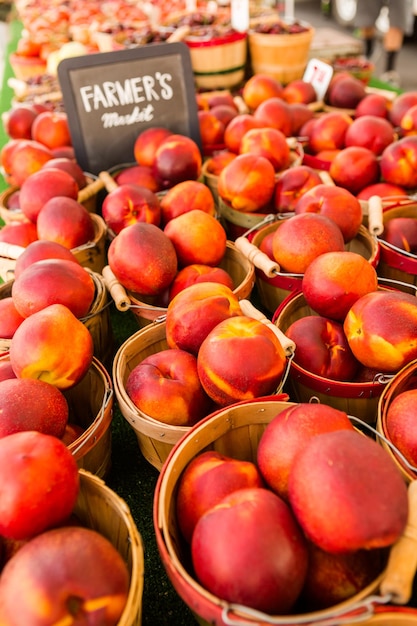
(184,382)
(72,571)
(309,489)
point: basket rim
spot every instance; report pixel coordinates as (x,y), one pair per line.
(136,546)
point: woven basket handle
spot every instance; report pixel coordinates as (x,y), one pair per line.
(251,311)
(115,289)
(402,563)
(10,250)
(179,34)
(90,190)
(374,210)
(257,257)
(108,181)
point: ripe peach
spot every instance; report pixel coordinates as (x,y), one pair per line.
(143,259)
(197,273)
(18,121)
(287,433)
(195,311)
(43,185)
(211,129)
(260,87)
(6,370)
(65,221)
(205,481)
(6,161)
(10,318)
(45,463)
(51,129)
(29,404)
(275,113)
(177,158)
(336,203)
(402,233)
(184,197)
(237,549)
(70,571)
(42,249)
(166,386)
(328,131)
(301,238)
(141,175)
(147,143)
(346,93)
(299,91)
(26,158)
(374,338)
(240,185)
(400,423)
(198,237)
(71,166)
(335,578)
(355,513)
(322,348)
(354,168)
(292,184)
(374,104)
(370,131)
(51,281)
(129,203)
(19,233)
(269,143)
(383,190)
(218,161)
(335,280)
(300,114)
(398,162)
(408,124)
(400,105)
(248,341)
(52,345)
(225,113)
(236,128)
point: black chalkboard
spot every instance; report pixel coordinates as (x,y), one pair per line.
(111,97)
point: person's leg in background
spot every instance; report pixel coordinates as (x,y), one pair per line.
(366,16)
(400,16)
(400,22)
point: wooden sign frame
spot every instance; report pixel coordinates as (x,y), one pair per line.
(111,97)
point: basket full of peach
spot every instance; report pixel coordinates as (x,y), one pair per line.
(258,480)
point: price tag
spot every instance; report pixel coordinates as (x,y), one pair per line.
(319,74)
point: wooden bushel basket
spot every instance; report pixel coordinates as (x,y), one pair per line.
(395,264)
(155,439)
(220,62)
(90,405)
(236,431)
(234,262)
(355,398)
(98,507)
(282,56)
(405,379)
(274,285)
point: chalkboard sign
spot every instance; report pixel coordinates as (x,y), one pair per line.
(111,97)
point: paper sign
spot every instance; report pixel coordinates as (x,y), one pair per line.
(319,74)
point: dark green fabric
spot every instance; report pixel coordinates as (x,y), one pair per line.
(134,479)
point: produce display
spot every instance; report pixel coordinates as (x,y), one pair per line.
(175,217)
